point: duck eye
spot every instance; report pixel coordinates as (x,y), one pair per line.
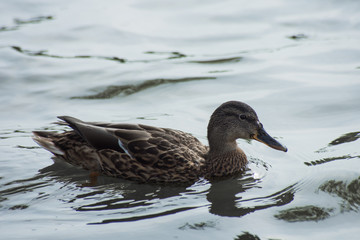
(242,116)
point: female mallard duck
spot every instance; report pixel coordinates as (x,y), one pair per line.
(151,154)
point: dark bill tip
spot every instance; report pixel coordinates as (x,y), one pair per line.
(264,137)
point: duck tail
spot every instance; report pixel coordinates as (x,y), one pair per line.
(45,140)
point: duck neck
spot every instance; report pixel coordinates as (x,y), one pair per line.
(224,157)
(220,145)
(220,140)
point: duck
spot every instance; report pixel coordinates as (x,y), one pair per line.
(145,153)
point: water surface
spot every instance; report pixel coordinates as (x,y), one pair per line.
(170,65)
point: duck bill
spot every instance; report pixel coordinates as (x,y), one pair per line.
(264,137)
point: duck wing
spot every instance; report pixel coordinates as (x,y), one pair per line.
(146,146)
(102,135)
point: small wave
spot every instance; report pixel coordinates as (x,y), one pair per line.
(19,22)
(219,61)
(113,91)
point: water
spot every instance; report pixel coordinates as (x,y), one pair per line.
(170,65)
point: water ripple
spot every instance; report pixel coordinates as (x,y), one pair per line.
(116,200)
(219,61)
(345,138)
(113,91)
(330,159)
(44,53)
(347,192)
(19,22)
(305,213)
(148,216)
(348,137)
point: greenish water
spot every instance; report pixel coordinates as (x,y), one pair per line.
(170,64)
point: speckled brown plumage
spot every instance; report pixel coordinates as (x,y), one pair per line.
(151,154)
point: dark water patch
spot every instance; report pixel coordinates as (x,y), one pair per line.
(19,131)
(19,207)
(90,194)
(348,137)
(20,187)
(6,29)
(146,118)
(330,159)
(171,55)
(116,59)
(43,53)
(345,138)
(33,20)
(18,22)
(130,196)
(115,203)
(198,226)
(34,53)
(26,180)
(2,199)
(219,61)
(305,213)
(125,90)
(219,71)
(348,192)
(148,216)
(246,236)
(350,201)
(299,36)
(8,133)
(23,188)
(153,116)
(27,147)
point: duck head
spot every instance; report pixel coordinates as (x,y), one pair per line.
(233,120)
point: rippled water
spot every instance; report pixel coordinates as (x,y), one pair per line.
(170,64)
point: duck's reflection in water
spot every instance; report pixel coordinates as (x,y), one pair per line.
(226,197)
(125,201)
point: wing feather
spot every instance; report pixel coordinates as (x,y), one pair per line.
(126,149)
